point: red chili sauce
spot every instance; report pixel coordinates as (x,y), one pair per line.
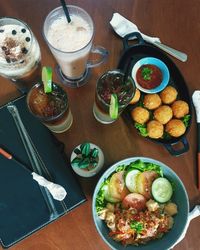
(149,76)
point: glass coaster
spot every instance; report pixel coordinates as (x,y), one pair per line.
(73,83)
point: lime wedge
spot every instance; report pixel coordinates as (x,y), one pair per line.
(47,79)
(113,109)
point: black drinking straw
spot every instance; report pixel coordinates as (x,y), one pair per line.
(66,10)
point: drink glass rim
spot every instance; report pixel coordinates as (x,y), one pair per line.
(113,71)
(27,26)
(42,118)
(69,6)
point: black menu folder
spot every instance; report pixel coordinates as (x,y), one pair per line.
(23,209)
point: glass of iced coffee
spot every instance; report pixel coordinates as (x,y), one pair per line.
(19,53)
(112,84)
(71,43)
(52,109)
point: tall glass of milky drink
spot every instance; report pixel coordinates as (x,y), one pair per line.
(19,53)
(71,43)
(112,82)
(52,109)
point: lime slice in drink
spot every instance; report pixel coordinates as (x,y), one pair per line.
(47,79)
(113,110)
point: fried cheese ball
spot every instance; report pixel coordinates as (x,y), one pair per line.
(136,97)
(168,95)
(163,114)
(180,108)
(175,128)
(152,101)
(140,115)
(155,129)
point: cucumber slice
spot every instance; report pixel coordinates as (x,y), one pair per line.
(131,180)
(107,195)
(162,190)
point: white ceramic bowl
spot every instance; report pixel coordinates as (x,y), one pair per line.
(154,61)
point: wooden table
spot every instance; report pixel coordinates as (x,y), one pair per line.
(177,23)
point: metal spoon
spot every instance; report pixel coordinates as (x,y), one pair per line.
(123,26)
(173,52)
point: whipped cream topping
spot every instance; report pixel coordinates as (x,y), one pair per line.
(19,50)
(69,37)
(15,42)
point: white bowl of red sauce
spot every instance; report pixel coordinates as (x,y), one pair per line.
(151,75)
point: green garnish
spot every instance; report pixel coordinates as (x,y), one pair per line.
(137,226)
(142,129)
(113,109)
(100,199)
(121,168)
(47,79)
(146,73)
(186,120)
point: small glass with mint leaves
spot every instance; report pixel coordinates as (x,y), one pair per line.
(114,91)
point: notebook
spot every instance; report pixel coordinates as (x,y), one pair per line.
(23,209)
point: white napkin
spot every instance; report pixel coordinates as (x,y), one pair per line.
(58,192)
(123,26)
(196,102)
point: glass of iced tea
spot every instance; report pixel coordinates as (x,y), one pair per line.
(19,53)
(112,82)
(52,109)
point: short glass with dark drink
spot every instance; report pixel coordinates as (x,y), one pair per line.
(112,82)
(52,109)
(19,53)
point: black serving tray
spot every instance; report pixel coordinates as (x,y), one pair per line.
(143,49)
(23,209)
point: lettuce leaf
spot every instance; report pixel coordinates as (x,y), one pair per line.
(100,198)
(145,166)
(186,120)
(121,168)
(142,128)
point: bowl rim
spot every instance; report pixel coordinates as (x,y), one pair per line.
(127,161)
(154,61)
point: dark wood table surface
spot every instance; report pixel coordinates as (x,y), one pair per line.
(177,23)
